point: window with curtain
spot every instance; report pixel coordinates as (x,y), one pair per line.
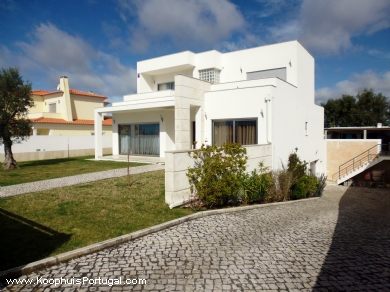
(140,139)
(243,132)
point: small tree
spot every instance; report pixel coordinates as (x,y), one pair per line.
(15,100)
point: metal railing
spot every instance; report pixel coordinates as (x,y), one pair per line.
(362,159)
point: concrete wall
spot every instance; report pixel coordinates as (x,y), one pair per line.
(177,188)
(50,147)
(340,151)
(291,110)
(68,130)
(233,65)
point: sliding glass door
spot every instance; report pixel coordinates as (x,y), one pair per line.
(140,139)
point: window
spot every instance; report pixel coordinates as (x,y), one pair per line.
(166,86)
(307,128)
(52,108)
(243,132)
(139,139)
(210,75)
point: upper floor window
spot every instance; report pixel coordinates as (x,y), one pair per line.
(52,107)
(210,75)
(166,86)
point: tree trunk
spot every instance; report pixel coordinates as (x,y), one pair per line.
(9,161)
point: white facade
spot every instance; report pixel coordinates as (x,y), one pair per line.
(271,86)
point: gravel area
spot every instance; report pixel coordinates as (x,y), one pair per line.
(19,189)
(339,242)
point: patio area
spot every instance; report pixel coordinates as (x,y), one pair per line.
(133,158)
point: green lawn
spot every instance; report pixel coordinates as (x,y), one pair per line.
(54,168)
(38,225)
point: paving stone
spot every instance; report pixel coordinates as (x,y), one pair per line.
(336,243)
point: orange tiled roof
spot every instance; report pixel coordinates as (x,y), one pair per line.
(79,92)
(106,122)
(42,92)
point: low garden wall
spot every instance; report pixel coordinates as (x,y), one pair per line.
(51,147)
(177,162)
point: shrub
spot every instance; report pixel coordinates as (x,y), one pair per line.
(321,183)
(280,188)
(304,187)
(257,184)
(216,176)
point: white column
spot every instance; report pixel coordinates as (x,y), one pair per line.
(98,134)
(35,131)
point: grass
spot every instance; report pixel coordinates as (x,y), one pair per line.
(30,171)
(42,224)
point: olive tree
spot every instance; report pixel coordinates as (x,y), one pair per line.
(15,100)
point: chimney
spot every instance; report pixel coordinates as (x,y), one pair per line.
(66,105)
(379,125)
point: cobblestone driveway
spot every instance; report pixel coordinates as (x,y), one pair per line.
(340,242)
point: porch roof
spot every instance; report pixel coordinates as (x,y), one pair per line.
(150,104)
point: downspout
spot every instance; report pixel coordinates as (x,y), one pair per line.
(267,126)
(267,100)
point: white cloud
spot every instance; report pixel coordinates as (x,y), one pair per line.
(52,53)
(355,84)
(328,27)
(200,22)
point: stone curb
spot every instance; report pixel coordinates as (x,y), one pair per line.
(64,257)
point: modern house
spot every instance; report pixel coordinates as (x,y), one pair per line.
(66,111)
(262,96)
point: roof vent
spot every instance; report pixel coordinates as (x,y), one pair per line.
(379,125)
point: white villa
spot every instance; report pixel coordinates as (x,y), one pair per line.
(259,96)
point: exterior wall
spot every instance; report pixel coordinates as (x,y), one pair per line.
(177,188)
(167,126)
(39,105)
(237,64)
(83,106)
(340,151)
(233,65)
(291,109)
(68,130)
(49,147)
(237,103)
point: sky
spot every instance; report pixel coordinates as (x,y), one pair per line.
(97,43)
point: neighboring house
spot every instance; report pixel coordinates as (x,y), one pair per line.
(66,111)
(263,95)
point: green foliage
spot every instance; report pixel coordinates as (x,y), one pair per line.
(366,109)
(257,184)
(216,176)
(303,184)
(294,165)
(15,100)
(321,183)
(304,187)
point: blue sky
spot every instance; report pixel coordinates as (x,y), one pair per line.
(96,43)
